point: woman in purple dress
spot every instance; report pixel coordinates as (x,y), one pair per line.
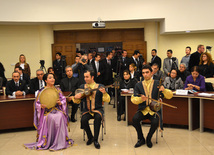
(195,81)
(51,124)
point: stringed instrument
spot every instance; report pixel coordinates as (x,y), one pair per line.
(88,91)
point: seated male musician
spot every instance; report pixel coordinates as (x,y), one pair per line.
(92,107)
(70,84)
(16,87)
(148,88)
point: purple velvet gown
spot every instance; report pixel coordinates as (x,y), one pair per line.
(51,125)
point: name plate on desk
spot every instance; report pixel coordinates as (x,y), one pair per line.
(181,92)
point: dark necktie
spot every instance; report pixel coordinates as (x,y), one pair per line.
(41,84)
(170,62)
(69,84)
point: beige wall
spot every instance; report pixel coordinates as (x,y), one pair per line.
(32,41)
(179,15)
(35,42)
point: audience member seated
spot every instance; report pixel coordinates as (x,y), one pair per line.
(51,70)
(125,83)
(183,72)
(194,59)
(206,65)
(16,87)
(169,63)
(195,81)
(173,82)
(185,59)
(22,63)
(37,83)
(77,59)
(81,67)
(155,59)
(4,82)
(157,73)
(70,84)
(23,76)
(134,74)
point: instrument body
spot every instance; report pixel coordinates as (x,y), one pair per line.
(48,97)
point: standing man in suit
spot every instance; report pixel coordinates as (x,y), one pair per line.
(98,69)
(125,62)
(37,82)
(195,57)
(90,58)
(16,87)
(59,66)
(155,59)
(70,84)
(23,76)
(135,60)
(169,63)
(186,58)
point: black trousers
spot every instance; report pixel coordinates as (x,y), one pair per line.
(138,117)
(74,108)
(121,105)
(85,125)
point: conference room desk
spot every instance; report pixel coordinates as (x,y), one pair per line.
(192,110)
(17,112)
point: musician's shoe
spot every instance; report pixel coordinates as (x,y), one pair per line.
(124,118)
(96,144)
(118,118)
(90,141)
(148,142)
(140,143)
(73,120)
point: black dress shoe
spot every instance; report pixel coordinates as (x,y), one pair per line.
(148,142)
(90,141)
(118,118)
(96,144)
(124,118)
(140,143)
(73,120)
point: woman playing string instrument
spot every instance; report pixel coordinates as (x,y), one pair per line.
(51,124)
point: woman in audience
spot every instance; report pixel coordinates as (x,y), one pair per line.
(133,72)
(22,63)
(51,70)
(206,65)
(183,72)
(125,83)
(195,81)
(51,124)
(173,82)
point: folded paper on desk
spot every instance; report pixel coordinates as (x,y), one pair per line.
(205,94)
(181,92)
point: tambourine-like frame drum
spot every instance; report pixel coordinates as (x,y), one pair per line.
(48,97)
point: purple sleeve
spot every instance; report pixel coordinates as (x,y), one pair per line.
(202,84)
(186,82)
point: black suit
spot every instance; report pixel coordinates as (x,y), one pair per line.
(59,67)
(26,78)
(138,64)
(2,74)
(11,87)
(108,75)
(194,60)
(125,62)
(101,69)
(156,60)
(34,85)
(70,84)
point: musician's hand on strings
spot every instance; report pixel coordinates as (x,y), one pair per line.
(58,102)
(162,88)
(43,106)
(102,90)
(69,98)
(78,96)
(144,98)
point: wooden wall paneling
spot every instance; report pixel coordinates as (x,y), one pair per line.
(69,50)
(111,36)
(131,46)
(87,36)
(133,35)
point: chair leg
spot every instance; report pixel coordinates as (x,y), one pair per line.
(156,136)
(102,131)
(161,134)
(83,135)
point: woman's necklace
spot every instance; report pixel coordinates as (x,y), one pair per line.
(127,81)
